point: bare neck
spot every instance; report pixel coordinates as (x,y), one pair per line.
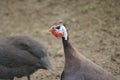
(72,57)
(65,43)
(68,49)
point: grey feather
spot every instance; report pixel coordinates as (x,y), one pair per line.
(22,56)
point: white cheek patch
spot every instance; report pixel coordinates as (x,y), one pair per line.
(64,32)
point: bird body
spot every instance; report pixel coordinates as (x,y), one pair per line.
(78,67)
(21,56)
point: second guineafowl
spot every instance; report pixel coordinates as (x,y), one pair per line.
(22,56)
(77,67)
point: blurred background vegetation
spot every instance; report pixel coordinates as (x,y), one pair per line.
(94,28)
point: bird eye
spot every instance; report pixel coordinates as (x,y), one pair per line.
(58,27)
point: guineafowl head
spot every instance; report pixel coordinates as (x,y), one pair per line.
(59,30)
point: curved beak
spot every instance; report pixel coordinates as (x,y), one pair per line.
(51,29)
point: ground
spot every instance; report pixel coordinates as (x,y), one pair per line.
(94,29)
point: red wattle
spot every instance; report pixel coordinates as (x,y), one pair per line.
(60,34)
(56,34)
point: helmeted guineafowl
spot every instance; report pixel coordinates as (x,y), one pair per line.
(77,67)
(22,56)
